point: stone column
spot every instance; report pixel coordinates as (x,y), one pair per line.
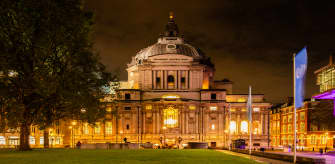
(153,110)
(176,80)
(186,121)
(159,117)
(143,120)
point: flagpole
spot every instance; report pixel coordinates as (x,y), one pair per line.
(250,119)
(294,115)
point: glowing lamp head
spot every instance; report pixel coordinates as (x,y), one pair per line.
(74,123)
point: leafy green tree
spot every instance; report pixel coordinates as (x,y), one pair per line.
(48,68)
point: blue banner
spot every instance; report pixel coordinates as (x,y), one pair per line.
(300,67)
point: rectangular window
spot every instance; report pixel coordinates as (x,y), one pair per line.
(127,108)
(313,139)
(213,96)
(109,128)
(302,127)
(41,140)
(148,107)
(289,128)
(212,108)
(127,96)
(256,109)
(158,82)
(289,118)
(284,129)
(302,116)
(182,80)
(58,141)
(2,140)
(85,128)
(192,107)
(97,128)
(13,140)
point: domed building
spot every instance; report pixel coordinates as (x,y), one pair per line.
(170,98)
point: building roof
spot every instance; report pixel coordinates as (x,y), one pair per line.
(169,42)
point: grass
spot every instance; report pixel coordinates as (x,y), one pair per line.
(67,156)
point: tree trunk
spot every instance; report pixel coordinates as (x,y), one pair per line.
(46,138)
(24,137)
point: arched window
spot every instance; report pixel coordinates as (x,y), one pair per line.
(170,80)
(244,127)
(232,127)
(170,117)
(2,140)
(256,127)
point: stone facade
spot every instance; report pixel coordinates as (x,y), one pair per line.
(171,98)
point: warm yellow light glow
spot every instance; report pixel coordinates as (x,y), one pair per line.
(192,107)
(205,84)
(170,96)
(131,74)
(121,131)
(74,123)
(70,127)
(213,127)
(83,110)
(148,107)
(232,127)
(170,117)
(256,109)
(171,16)
(244,126)
(226,131)
(212,108)
(164,127)
(108,108)
(242,99)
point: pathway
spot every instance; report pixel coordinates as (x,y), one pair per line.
(255,158)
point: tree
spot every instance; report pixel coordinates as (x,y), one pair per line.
(48,68)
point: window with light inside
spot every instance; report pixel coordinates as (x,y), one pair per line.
(170,117)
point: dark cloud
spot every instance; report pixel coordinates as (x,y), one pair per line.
(250,42)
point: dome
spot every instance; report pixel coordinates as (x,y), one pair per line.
(169,43)
(161,48)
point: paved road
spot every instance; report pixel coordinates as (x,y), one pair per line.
(330,159)
(255,158)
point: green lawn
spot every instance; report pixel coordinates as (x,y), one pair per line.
(67,156)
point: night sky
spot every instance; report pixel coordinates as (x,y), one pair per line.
(250,42)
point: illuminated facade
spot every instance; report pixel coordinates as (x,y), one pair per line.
(171,98)
(313,131)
